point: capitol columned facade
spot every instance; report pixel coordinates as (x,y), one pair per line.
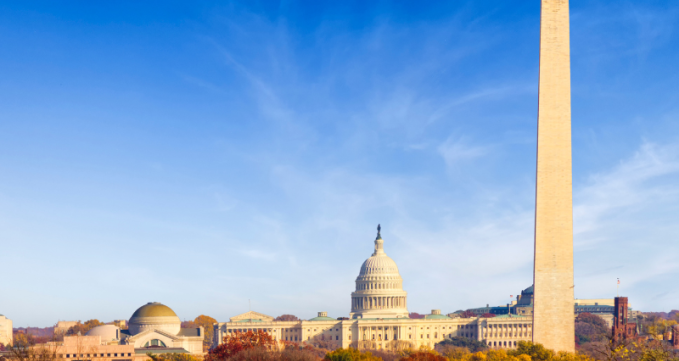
(379,318)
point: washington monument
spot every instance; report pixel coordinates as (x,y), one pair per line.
(553,318)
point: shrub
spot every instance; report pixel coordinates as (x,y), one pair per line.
(472,345)
(350,354)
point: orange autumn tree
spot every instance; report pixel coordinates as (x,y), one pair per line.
(206,322)
(240,341)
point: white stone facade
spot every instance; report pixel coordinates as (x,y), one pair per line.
(379,318)
(379,288)
(388,334)
(155,325)
(6,331)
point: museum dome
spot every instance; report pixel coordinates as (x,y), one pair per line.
(379,286)
(154,309)
(154,316)
(106,332)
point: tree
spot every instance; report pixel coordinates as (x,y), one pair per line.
(423,355)
(207,323)
(24,348)
(286,317)
(415,315)
(240,341)
(630,350)
(172,357)
(82,328)
(288,354)
(350,354)
(488,315)
(399,345)
(590,328)
(468,343)
(453,352)
(467,314)
(536,351)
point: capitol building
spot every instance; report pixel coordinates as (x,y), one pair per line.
(379,318)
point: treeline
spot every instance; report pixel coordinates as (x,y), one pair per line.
(242,346)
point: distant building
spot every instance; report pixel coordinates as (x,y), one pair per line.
(523,306)
(379,318)
(153,328)
(62,326)
(6,331)
(622,329)
(94,347)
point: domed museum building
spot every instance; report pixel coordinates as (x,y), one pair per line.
(379,318)
(153,328)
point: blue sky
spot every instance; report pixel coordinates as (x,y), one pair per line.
(204,154)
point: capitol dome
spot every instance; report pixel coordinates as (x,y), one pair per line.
(154,316)
(379,287)
(106,332)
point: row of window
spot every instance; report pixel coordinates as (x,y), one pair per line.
(410,336)
(422,328)
(516,325)
(378,286)
(309,338)
(75,355)
(274,331)
(515,334)
(500,344)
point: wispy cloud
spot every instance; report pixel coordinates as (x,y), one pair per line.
(456,150)
(636,182)
(624,221)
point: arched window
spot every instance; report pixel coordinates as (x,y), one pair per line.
(155,343)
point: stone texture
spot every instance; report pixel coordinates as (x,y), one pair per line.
(553,319)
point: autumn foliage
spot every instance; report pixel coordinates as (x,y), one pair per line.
(241,341)
(467,314)
(350,354)
(173,357)
(82,328)
(287,317)
(424,356)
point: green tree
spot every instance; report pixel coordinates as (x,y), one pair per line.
(471,345)
(350,354)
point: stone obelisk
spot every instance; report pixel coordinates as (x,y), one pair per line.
(553,318)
